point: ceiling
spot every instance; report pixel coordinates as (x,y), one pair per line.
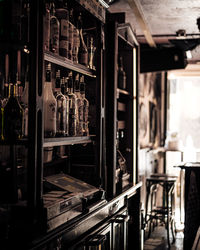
(160,20)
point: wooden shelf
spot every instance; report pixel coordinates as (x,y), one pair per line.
(61,141)
(66,63)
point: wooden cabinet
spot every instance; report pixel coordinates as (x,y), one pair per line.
(121,106)
(92,161)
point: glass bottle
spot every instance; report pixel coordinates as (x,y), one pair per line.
(50,106)
(24,104)
(79,106)
(62,14)
(18,87)
(64,90)
(61,108)
(12,116)
(121,75)
(85,107)
(72,107)
(76,43)
(6,80)
(1,120)
(91,53)
(1,107)
(54,31)
(46,30)
(71,35)
(83,51)
(5,93)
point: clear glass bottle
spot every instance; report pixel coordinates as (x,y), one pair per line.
(46,30)
(76,42)
(62,14)
(24,104)
(71,35)
(85,107)
(1,108)
(12,116)
(79,106)
(18,87)
(64,90)
(72,107)
(83,51)
(121,74)
(61,108)
(54,31)
(50,106)
(5,93)
(91,53)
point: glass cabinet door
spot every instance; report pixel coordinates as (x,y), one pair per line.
(120,232)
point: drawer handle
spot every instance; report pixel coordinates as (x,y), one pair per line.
(96,240)
(122,218)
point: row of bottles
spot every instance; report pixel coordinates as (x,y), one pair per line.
(63,35)
(66,108)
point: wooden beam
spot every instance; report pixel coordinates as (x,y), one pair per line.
(137,9)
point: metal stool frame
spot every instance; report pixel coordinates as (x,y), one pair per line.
(164,213)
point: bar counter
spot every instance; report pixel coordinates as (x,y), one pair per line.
(192,201)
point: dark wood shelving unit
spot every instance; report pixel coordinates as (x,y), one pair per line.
(90,159)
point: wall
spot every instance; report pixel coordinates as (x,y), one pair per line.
(151,125)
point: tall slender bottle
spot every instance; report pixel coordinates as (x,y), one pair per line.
(121,74)
(91,53)
(62,14)
(83,51)
(1,107)
(65,91)
(54,31)
(46,30)
(6,80)
(5,93)
(18,87)
(61,108)
(79,106)
(72,107)
(71,35)
(13,116)
(85,107)
(50,106)
(76,42)
(24,104)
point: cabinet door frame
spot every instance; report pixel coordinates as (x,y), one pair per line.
(114,32)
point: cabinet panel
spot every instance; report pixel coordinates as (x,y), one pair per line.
(26,54)
(121,102)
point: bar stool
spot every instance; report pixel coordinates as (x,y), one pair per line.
(165,212)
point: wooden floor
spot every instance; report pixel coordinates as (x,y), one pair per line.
(158,240)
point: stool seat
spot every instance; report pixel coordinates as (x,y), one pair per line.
(164,213)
